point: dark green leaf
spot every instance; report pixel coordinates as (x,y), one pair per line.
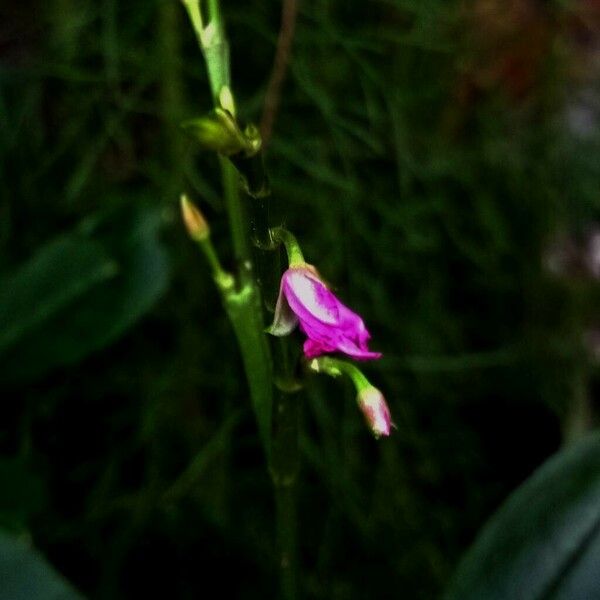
(25,575)
(544,542)
(59,273)
(98,314)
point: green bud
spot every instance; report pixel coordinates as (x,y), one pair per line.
(218,131)
(253,139)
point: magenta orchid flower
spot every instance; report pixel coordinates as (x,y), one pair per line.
(329,325)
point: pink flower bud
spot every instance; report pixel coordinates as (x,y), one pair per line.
(375,409)
(329,325)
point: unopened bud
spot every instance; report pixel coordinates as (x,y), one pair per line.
(375,410)
(194,220)
(219,131)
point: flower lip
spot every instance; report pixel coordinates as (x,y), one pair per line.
(329,325)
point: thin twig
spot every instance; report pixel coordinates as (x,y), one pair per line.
(280,63)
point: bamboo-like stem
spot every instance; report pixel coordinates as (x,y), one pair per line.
(210,34)
(285,499)
(236,215)
(284,462)
(284,467)
(171,93)
(244,306)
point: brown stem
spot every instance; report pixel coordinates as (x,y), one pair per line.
(282,55)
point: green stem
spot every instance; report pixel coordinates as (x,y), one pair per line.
(171,92)
(193,9)
(279,429)
(223,279)
(292,247)
(285,499)
(336,367)
(284,466)
(210,34)
(284,463)
(243,304)
(266,253)
(243,308)
(235,213)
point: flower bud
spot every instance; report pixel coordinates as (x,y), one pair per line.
(219,131)
(194,220)
(375,410)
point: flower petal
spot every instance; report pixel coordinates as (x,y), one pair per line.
(313,348)
(354,326)
(309,298)
(284,321)
(350,348)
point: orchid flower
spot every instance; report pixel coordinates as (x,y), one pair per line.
(330,326)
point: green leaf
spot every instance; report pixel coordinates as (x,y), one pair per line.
(59,273)
(25,574)
(98,302)
(544,542)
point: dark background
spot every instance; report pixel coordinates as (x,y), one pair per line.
(438,161)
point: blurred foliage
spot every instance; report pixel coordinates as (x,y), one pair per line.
(544,541)
(25,575)
(74,296)
(427,153)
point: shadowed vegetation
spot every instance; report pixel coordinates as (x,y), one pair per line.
(438,160)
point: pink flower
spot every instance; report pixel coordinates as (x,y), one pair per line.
(329,325)
(375,410)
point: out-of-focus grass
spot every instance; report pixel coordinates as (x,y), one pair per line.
(423,178)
